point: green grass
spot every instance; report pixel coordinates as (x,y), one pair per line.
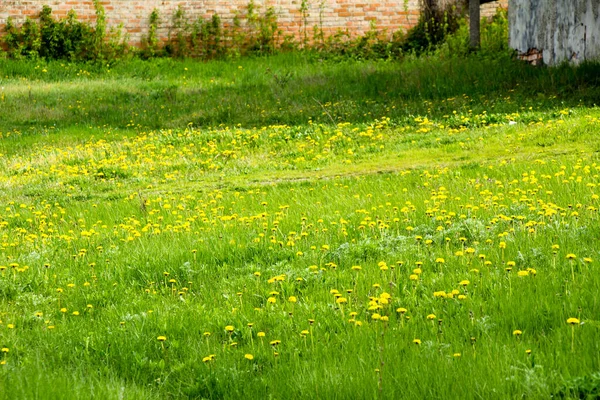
(290,89)
(426,174)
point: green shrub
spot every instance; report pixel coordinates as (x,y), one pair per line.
(150,45)
(268,31)
(208,38)
(494,33)
(178,43)
(23,42)
(494,39)
(65,39)
(434,25)
(251,33)
(374,44)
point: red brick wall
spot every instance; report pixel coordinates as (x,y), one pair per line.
(354,15)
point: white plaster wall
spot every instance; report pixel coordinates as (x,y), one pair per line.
(563,30)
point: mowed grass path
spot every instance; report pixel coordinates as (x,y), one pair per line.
(434,243)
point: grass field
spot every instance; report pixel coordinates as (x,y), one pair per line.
(290,227)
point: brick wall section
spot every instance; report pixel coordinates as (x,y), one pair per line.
(489,9)
(354,15)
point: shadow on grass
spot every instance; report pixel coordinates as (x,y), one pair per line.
(282,90)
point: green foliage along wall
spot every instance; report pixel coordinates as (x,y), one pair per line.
(296,18)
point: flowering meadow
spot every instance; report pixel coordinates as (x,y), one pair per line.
(376,247)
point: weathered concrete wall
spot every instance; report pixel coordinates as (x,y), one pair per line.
(555,30)
(354,15)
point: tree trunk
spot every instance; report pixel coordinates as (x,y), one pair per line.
(474,23)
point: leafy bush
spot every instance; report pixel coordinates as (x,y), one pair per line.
(494,33)
(208,38)
(150,45)
(253,32)
(23,42)
(67,38)
(494,39)
(436,22)
(374,44)
(63,39)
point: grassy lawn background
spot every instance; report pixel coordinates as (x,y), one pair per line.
(419,229)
